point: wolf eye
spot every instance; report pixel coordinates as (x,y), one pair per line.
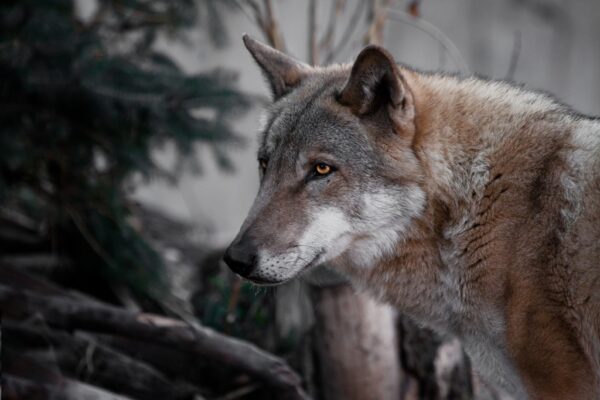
(322,169)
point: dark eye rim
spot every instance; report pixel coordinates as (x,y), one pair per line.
(314,174)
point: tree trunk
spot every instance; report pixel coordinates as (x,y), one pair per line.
(366,351)
(356,346)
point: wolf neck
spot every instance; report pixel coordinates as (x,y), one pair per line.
(471,140)
(463,124)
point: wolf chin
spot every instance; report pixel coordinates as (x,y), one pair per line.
(472,206)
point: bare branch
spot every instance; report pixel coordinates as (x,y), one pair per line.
(514,58)
(272,27)
(43,262)
(257,16)
(352,23)
(313,50)
(377,17)
(239,393)
(435,33)
(17,220)
(264,18)
(337,7)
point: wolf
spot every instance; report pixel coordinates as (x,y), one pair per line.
(471,205)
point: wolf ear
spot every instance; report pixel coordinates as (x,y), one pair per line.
(282,71)
(375,82)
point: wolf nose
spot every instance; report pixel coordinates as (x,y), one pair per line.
(241,259)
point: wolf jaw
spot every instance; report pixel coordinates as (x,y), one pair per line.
(472,206)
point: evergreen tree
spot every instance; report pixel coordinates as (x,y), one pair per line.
(83,107)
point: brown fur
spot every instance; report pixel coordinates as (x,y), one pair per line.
(517,254)
(505,252)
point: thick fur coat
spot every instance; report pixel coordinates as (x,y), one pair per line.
(471,205)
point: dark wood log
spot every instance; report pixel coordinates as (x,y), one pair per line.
(16,388)
(83,358)
(16,220)
(173,362)
(15,241)
(19,234)
(15,278)
(44,263)
(205,342)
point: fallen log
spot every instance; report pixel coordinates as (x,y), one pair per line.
(16,388)
(92,362)
(173,362)
(15,278)
(44,263)
(69,314)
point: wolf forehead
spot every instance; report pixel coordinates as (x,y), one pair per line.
(310,118)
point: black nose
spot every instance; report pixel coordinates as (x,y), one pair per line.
(241,258)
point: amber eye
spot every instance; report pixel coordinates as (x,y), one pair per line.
(322,169)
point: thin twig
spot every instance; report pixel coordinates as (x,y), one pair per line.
(371,11)
(377,17)
(254,19)
(435,33)
(313,51)
(272,27)
(258,15)
(233,302)
(97,247)
(514,58)
(347,32)
(240,392)
(337,7)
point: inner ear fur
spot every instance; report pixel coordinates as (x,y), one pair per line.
(283,72)
(375,82)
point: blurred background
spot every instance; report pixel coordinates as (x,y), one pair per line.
(128,137)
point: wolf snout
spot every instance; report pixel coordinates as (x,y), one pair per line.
(241,258)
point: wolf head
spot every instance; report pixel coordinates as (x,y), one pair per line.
(339,181)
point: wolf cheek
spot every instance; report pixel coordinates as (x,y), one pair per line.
(323,238)
(361,238)
(385,216)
